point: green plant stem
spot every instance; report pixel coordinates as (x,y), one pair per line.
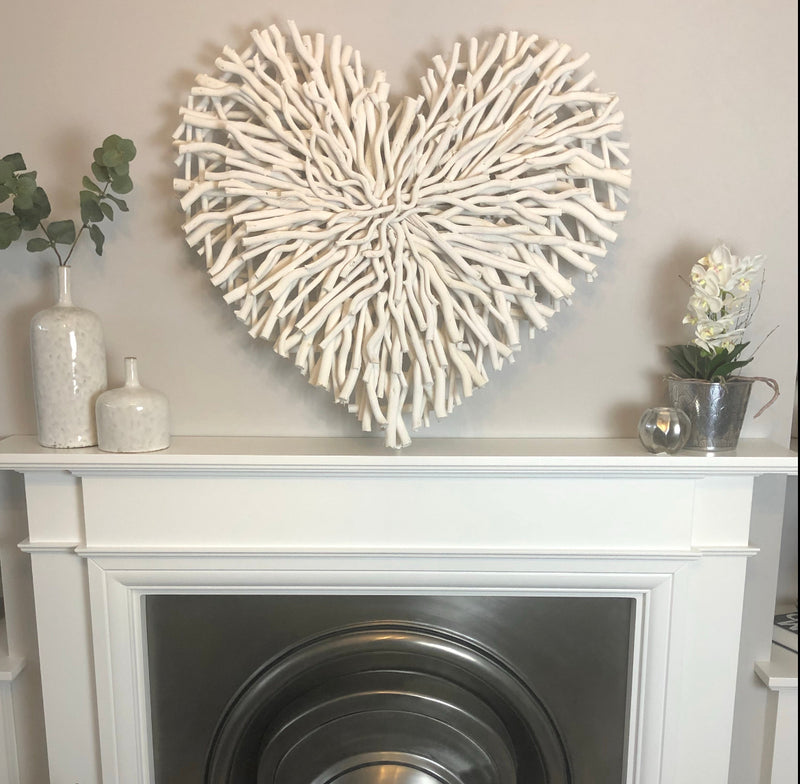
(65,261)
(72,247)
(52,245)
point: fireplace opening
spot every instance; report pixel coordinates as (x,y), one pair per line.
(411,689)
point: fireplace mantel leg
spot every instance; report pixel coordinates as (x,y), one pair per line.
(63,624)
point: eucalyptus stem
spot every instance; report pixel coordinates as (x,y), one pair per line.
(65,263)
(31,206)
(61,263)
(72,247)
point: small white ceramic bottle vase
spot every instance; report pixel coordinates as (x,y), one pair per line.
(132,418)
(69,370)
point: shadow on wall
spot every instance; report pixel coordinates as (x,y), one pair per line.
(667,303)
(17,379)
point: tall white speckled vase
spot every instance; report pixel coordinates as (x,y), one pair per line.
(69,370)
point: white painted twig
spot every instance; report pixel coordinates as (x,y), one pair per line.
(392,252)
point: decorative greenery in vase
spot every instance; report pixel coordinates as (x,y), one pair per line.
(726,290)
(31,207)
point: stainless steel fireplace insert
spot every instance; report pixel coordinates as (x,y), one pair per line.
(388,689)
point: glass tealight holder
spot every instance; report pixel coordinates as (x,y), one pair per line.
(664,429)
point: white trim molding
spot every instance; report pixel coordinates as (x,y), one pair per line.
(278,516)
(120,582)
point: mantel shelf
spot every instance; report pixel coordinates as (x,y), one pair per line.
(346,516)
(508,456)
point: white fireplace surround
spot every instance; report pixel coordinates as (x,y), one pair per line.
(456,516)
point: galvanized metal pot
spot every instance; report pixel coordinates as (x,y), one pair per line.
(715,409)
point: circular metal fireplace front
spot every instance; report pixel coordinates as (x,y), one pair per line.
(387,703)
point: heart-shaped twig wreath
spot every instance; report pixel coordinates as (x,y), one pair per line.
(392,251)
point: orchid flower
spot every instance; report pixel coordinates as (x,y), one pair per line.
(720,307)
(725,293)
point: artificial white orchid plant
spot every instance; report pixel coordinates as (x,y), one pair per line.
(726,290)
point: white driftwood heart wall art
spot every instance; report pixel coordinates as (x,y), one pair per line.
(392,250)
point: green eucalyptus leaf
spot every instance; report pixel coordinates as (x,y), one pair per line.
(121,203)
(38,244)
(101,173)
(91,185)
(10,229)
(25,188)
(6,173)
(110,153)
(32,209)
(28,219)
(110,167)
(121,184)
(98,238)
(15,160)
(23,202)
(42,203)
(128,149)
(26,180)
(10,164)
(90,207)
(117,151)
(61,232)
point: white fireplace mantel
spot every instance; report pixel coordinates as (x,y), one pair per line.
(513,516)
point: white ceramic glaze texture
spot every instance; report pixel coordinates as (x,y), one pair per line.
(132,418)
(69,370)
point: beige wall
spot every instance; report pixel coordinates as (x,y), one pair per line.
(709,91)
